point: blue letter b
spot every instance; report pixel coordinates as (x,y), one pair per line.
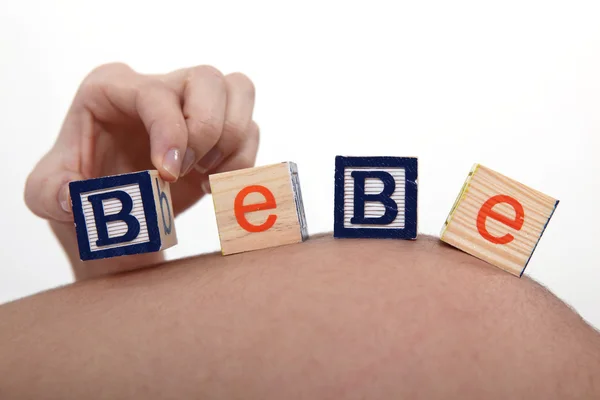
(163,197)
(133,225)
(389,186)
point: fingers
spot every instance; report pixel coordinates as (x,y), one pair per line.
(243,157)
(204,104)
(47,186)
(116,94)
(218,110)
(238,115)
(160,111)
(193,117)
(47,189)
(195,184)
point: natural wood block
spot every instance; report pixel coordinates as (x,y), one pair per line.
(122,214)
(375,197)
(498,219)
(258,207)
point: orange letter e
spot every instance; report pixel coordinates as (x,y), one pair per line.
(240,209)
(486,211)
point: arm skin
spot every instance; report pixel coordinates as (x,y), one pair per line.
(325,319)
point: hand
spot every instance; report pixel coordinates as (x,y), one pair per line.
(186,124)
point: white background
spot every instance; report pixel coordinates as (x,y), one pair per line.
(514,85)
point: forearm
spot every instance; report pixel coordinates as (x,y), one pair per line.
(65,233)
(323,319)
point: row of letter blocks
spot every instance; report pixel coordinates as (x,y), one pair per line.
(494,218)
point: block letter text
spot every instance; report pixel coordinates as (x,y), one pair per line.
(486,211)
(133,225)
(164,203)
(240,209)
(389,185)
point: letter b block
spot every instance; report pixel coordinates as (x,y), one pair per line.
(258,207)
(498,220)
(122,214)
(375,197)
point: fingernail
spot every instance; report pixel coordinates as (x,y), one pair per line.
(172,162)
(188,161)
(210,160)
(205,185)
(63,198)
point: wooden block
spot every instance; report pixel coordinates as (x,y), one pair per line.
(498,220)
(375,197)
(258,207)
(122,214)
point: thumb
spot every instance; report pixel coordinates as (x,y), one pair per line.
(47,189)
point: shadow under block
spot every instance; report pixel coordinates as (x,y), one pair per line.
(375,197)
(498,220)
(122,214)
(258,207)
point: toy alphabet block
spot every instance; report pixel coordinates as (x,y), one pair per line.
(375,197)
(122,214)
(258,207)
(498,220)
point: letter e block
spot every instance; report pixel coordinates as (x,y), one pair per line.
(122,214)
(258,207)
(375,197)
(498,220)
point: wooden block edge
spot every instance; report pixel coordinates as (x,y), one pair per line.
(465,245)
(298,202)
(461,195)
(223,175)
(210,181)
(170,240)
(540,237)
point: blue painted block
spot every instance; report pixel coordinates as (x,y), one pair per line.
(375,197)
(122,214)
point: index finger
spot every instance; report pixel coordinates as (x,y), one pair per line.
(114,93)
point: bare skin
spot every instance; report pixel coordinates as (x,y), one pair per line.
(325,319)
